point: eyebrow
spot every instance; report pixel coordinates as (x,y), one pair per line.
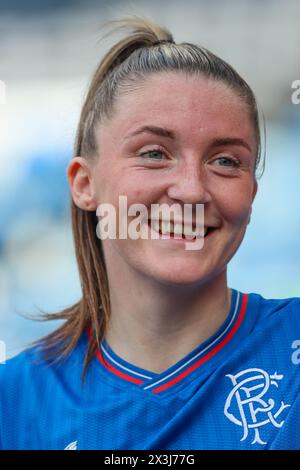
(162,132)
(153,130)
(219,142)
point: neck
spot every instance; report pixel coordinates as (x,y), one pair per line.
(153,326)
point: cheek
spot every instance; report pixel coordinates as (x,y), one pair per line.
(135,187)
(234,206)
(107,183)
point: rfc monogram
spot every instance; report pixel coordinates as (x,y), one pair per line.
(249,404)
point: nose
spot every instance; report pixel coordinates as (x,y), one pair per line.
(189,184)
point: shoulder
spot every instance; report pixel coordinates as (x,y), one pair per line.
(16,393)
(19,372)
(279,315)
(32,390)
(19,364)
(289,306)
(31,371)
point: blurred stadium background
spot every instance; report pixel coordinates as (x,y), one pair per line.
(48,51)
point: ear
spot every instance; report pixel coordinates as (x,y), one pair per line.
(80,182)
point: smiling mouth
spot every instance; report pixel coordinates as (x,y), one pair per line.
(173,230)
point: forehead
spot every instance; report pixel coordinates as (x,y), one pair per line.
(189,105)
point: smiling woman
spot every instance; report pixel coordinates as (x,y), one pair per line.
(160,352)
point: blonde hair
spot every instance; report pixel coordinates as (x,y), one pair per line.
(146,49)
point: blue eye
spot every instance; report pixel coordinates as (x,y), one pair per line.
(154,154)
(228,162)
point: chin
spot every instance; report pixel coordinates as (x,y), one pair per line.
(179,277)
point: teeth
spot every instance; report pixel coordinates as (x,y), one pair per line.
(166,228)
(177,229)
(156,225)
(188,231)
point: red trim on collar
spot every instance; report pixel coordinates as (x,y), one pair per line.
(210,353)
(109,366)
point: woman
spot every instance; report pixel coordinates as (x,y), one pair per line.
(160,353)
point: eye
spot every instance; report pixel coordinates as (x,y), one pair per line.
(153,154)
(226,161)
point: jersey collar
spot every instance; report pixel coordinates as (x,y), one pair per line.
(202,355)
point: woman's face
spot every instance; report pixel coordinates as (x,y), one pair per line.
(206,155)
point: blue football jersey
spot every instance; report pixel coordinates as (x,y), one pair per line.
(240,389)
